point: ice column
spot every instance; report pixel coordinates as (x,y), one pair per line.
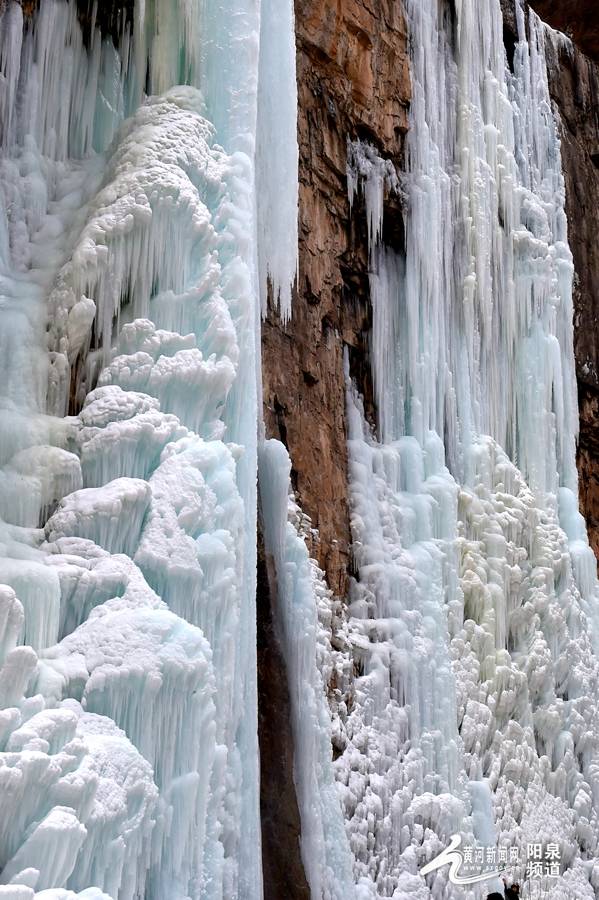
(277,156)
(129,319)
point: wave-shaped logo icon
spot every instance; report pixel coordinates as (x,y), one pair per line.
(454,858)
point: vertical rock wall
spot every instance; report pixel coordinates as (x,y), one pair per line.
(574,86)
(577,18)
(353,81)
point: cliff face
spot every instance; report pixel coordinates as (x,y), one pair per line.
(353,81)
(574,87)
(577,18)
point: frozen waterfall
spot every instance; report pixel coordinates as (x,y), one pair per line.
(475,606)
(129,384)
(148,211)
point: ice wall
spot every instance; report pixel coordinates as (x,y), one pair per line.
(474,613)
(148,192)
(129,311)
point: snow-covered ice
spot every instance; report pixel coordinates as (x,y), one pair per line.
(129,305)
(148,194)
(473,615)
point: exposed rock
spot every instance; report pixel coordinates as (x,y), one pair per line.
(588,462)
(353,81)
(283,870)
(577,18)
(574,87)
(110,16)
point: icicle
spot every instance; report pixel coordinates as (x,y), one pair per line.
(367,171)
(277,157)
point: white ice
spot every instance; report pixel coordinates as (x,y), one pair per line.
(129,310)
(473,617)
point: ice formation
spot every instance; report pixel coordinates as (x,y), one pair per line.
(277,127)
(148,188)
(129,310)
(473,616)
(303,620)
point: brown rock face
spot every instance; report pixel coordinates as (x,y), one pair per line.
(574,85)
(577,18)
(588,462)
(353,81)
